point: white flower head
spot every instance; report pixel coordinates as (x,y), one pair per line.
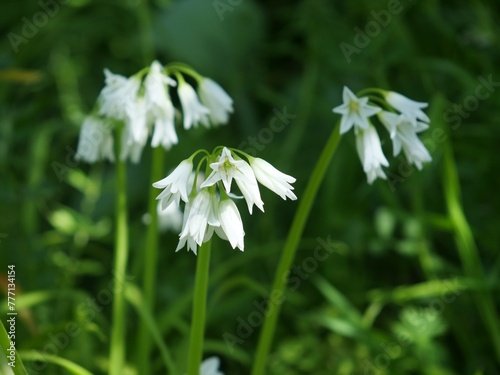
(409,108)
(95,142)
(225,169)
(117,95)
(176,185)
(371,154)
(216,100)
(230,221)
(160,109)
(201,213)
(355,111)
(273,179)
(210,366)
(194,112)
(404,137)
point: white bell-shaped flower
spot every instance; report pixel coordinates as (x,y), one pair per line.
(371,154)
(193,111)
(216,100)
(272,178)
(95,142)
(409,108)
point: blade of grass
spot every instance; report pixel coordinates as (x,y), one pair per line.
(72,367)
(5,345)
(135,298)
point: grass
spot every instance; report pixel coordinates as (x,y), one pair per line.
(417,272)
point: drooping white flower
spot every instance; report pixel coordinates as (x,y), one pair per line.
(95,142)
(230,221)
(216,100)
(176,185)
(202,213)
(355,111)
(272,178)
(184,237)
(210,366)
(371,154)
(225,169)
(249,188)
(404,137)
(136,121)
(117,95)
(194,112)
(160,109)
(409,108)
(131,148)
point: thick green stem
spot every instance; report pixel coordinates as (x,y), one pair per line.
(195,354)
(150,264)
(467,250)
(288,254)
(117,353)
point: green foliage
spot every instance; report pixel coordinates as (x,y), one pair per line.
(414,288)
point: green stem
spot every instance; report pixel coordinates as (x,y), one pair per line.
(117,353)
(195,354)
(150,264)
(467,250)
(289,249)
(151,251)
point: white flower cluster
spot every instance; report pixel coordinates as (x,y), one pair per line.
(144,106)
(209,206)
(404,120)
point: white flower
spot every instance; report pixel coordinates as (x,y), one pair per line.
(225,169)
(355,111)
(186,239)
(249,188)
(176,185)
(230,221)
(216,100)
(159,106)
(404,137)
(95,142)
(132,148)
(410,108)
(210,366)
(194,112)
(168,219)
(201,213)
(370,153)
(272,178)
(136,121)
(117,95)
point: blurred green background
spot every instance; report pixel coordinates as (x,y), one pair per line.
(398,294)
